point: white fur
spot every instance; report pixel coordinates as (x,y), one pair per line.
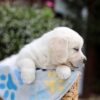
(63,72)
(53,49)
(9,61)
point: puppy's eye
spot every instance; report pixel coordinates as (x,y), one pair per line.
(76,49)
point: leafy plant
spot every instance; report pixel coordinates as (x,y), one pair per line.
(20,25)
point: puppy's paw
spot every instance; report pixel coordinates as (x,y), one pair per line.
(28,76)
(63,72)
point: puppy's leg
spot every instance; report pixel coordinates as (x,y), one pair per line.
(63,72)
(27,68)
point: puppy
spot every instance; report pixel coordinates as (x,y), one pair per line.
(58,49)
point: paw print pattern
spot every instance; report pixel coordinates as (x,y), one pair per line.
(8,86)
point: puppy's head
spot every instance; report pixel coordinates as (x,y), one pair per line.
(67,47)
(75,54)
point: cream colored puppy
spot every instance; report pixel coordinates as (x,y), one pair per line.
(58,49)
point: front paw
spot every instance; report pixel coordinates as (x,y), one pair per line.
(28,77)
(63,72)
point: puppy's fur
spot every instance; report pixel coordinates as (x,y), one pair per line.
(58,49)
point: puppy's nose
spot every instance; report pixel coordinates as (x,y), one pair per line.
(84,61)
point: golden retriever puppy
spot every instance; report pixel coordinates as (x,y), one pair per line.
(59,49)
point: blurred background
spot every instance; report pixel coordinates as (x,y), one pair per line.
(23,20)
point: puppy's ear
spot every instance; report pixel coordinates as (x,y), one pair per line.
(58,50)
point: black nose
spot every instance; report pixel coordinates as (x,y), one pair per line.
(84,61)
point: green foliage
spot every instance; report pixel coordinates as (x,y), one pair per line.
(19,25)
